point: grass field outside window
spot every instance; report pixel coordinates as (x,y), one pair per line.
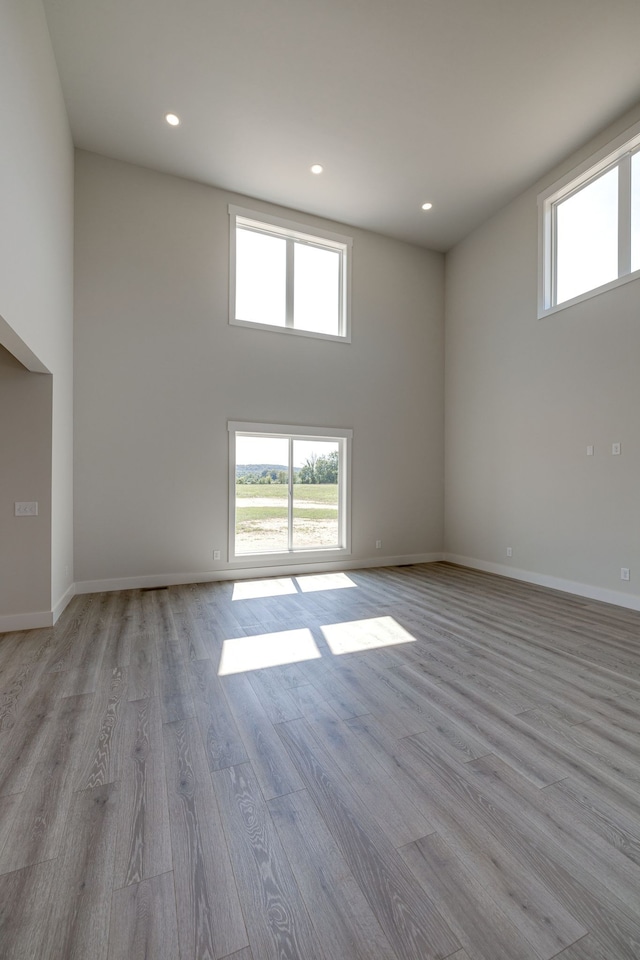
(262,516)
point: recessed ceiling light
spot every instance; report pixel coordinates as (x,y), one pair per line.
(427,206)
(317,168)
(172,119)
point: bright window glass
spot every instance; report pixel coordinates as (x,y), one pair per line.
(316,291)
(284,277)
(635,212)
(587,237)
(261,291)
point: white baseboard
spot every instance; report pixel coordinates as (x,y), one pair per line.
(16,622)
(617,597)
(248,573)
(36,620)
(63,602)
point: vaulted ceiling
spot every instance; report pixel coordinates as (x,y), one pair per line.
(462,103)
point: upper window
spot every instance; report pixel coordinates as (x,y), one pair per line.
(287,278)
(590,227)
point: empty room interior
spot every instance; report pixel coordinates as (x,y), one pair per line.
(319,472)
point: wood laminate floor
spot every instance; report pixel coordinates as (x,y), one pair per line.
(397,764)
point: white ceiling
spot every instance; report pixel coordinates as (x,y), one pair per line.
(460,102)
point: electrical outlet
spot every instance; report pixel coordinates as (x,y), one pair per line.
(216,554)
(378,544)
(26,508)
(616,449)
(590,450)
(625,573)
(509,552)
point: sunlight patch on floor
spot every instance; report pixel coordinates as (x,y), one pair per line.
(284,586)
(241,654)
(324,581)
(359,635)
(255,589)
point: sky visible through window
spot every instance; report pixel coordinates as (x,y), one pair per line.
(635,212)
(587,237)
(316,292)
(250,450)
(261,287)
(261,283)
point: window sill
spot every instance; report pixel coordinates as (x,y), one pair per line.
(588,295)
(272,328)
(276,559)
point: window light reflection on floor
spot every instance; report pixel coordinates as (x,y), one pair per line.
(255,589)
(324,581)
(360,635)
(241,654)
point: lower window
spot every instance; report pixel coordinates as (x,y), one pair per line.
(289,490)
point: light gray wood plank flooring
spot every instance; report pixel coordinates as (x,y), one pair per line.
(438,763)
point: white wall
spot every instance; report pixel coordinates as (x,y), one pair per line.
(25,472)
(36,262)
(159,372)
(524,397)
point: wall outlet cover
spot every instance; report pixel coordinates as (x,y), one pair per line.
(26,508)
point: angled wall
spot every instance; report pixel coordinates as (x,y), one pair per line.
(36,280)
(525,397)
(25,474)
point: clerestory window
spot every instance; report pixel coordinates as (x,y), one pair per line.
(590,227)
(288,277)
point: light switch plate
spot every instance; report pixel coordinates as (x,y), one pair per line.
(26,508)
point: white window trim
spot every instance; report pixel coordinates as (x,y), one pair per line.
(590,169)
(299,231)
(339,434)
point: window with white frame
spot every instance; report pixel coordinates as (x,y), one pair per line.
(590,227)
(289,491)
(288,277)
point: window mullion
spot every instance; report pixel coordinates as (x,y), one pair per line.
(553,257)
(624,216)
(341,304)
(290,513)
(290,264)
(341,491)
